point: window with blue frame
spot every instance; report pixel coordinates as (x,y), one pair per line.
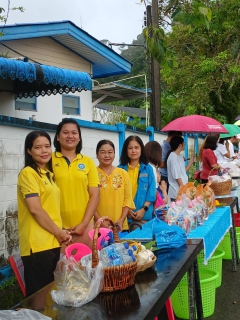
(71,105)
(26,104)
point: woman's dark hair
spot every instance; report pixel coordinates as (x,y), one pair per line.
(211,143)
(28,160)
(175,142)
(124,159)
(102,142)
(154,153)
(59,128)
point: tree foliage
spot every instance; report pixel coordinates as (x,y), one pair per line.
(207,78)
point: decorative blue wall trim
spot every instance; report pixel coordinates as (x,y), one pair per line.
(185,136)
(150,131)
(96,125)
(121,136)
(29,124)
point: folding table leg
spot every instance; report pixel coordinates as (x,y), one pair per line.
(191,294)
(198,292)
(169,308)
(233,249)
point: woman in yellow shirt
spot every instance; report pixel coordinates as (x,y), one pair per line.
(77,178)
(115,187)
(39,220)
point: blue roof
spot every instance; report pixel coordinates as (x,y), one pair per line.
(105,61)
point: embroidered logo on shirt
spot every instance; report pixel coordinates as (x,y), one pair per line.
(142,175)
(81,166)
(57,165)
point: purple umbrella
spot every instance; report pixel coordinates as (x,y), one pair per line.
(238,118)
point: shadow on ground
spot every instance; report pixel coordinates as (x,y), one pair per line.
(227,305)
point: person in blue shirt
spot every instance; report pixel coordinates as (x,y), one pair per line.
(134,160)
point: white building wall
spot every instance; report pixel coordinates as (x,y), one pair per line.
(49,108)
(11,162)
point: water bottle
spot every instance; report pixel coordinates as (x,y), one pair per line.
(109,256)
(125,252)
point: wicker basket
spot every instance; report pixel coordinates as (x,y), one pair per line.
(221,188)
(145,266)
(117,277)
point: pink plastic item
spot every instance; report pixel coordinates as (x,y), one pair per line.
(102,237)
(80,250)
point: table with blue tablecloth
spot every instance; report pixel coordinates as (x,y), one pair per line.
(212,231)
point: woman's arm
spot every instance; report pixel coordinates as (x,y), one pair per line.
(43,219)
(90,210)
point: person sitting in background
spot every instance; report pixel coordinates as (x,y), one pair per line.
(177,175)
(222,151)
(231,141)
(115,187)
(154,154)
(166,148)
(209,159)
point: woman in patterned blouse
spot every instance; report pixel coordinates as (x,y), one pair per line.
(115,187)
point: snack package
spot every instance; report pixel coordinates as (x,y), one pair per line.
(188,189)
(207,195)
(76,285)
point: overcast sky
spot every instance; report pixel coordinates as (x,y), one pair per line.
(115,20)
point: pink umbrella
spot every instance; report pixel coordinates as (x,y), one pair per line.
(195,124)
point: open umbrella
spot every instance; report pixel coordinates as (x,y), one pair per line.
(232,129)
(195,124)
(237,123)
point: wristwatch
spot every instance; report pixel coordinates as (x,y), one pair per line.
(145,208)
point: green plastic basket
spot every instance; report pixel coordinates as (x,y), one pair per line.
(208,290)
(214,263)
(225,245)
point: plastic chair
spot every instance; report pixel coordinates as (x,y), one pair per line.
(18,269)
(77,250)
(169,309)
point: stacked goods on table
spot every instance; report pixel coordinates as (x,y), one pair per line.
(192,206)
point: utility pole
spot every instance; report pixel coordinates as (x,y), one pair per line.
(154,72)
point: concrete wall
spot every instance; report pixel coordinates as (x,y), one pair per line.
(12,136)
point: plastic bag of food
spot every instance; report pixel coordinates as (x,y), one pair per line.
(188,189)
(207,195)
(76,285)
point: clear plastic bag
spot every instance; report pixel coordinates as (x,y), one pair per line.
(76,285)
(22,314)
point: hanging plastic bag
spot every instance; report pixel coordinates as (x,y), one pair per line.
(76,285)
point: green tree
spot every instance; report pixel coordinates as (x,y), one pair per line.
(208,72)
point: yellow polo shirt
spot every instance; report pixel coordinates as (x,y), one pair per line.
(73,179)
(133,174)
(115,193)
(32,237)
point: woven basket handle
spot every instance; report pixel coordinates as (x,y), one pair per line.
(95,258)
(211,171)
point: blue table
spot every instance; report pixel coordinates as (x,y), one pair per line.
(213,230)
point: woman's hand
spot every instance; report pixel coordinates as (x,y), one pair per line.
(119,224)
(64,237)
(139,214)
(79,229)
(163,186)
(131,214)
